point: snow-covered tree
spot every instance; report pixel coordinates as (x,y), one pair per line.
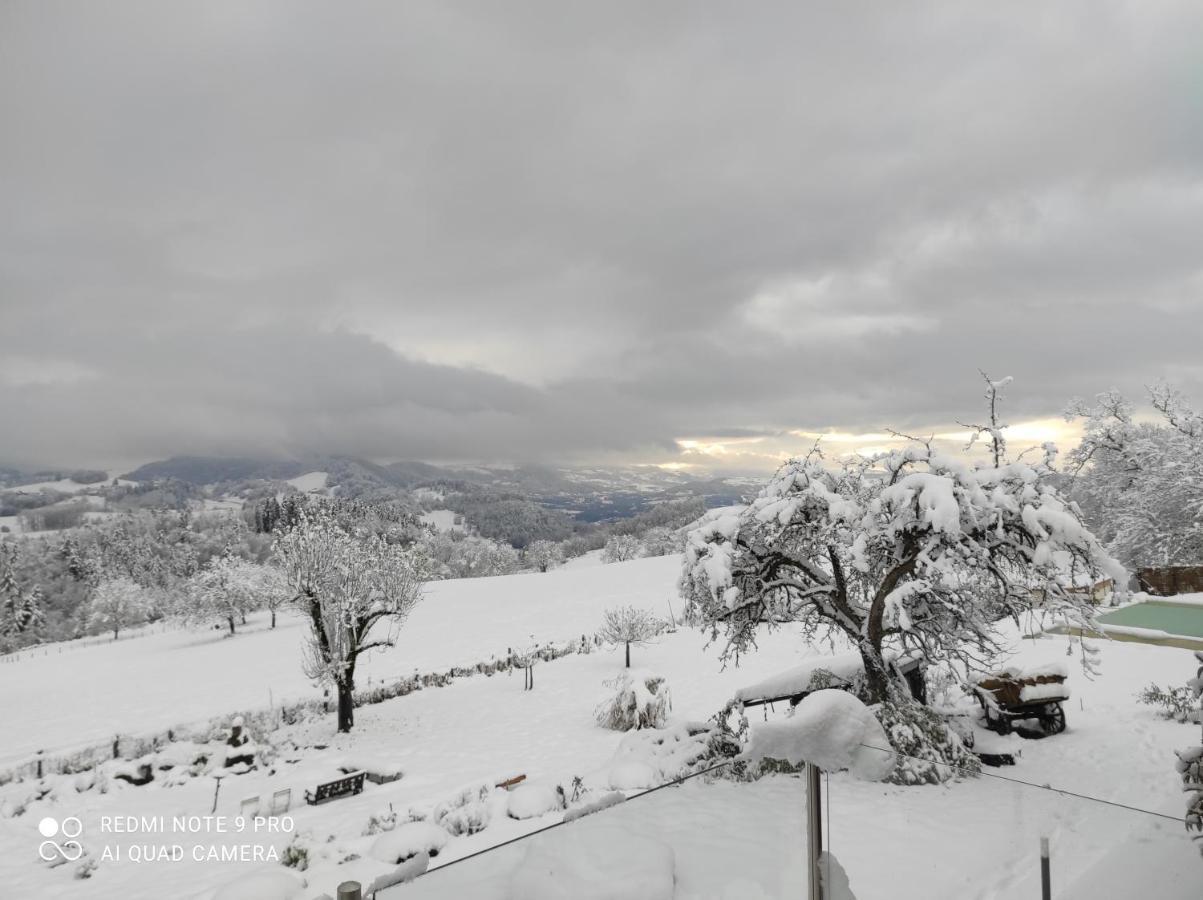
(20,610)
(458,555)
(228,587)
(117,603)
(346,584)
(622,547)
(1140,484)
(661,541)
(544,555)
(629,625)
(913,547)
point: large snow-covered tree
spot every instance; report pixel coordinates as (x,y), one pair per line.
(117,603)
(346,584)
(912,548)
(1140,484)
(543,555)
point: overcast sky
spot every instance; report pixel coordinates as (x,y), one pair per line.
(585,232)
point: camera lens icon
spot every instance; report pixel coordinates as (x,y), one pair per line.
(70,828)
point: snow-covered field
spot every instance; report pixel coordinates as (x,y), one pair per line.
(972,838)
(441,520)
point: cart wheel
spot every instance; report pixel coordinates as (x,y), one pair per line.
(1053,719)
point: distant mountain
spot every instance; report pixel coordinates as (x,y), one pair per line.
(589,494)
(202,470)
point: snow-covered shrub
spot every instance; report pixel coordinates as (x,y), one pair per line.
(641,700)
(295,856)
(927,751)
(408,840)
(654,756)
(1190,765)
(1177,703)
(381,821)
(467,812)
(535,799)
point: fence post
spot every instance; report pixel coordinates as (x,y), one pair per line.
(1046,886)
(350,890)
(814,832)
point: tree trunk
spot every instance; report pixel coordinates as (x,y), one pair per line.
(877,679)
(628,654)
(230,619)
(346,705)
(273,618)
(115,632)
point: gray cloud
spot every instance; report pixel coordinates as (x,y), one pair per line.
(480,231)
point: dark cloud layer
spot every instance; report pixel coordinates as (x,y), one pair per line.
(529,231)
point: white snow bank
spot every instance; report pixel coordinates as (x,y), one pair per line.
(828,729)
(605,801)
(1155,634)
(408,840)
(567,864)
(534,799)
(267,884)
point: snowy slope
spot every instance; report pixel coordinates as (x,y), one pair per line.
(175,677)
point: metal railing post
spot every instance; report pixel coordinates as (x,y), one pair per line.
(1046,885)
(814,832)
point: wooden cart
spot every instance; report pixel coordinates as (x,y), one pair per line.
(1006,698)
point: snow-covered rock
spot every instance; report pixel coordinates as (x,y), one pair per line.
(534,799)
(566,863)
(408,840)
(829,728)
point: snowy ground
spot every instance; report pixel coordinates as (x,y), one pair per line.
(975,838)
(442,520)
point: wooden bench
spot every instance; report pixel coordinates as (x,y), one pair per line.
(332,790)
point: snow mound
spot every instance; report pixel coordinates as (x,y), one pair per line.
(267,884)
(534,799)
(566,863)
(633,775)
(605,801)
(828,728)
(653,756)
(408,840)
